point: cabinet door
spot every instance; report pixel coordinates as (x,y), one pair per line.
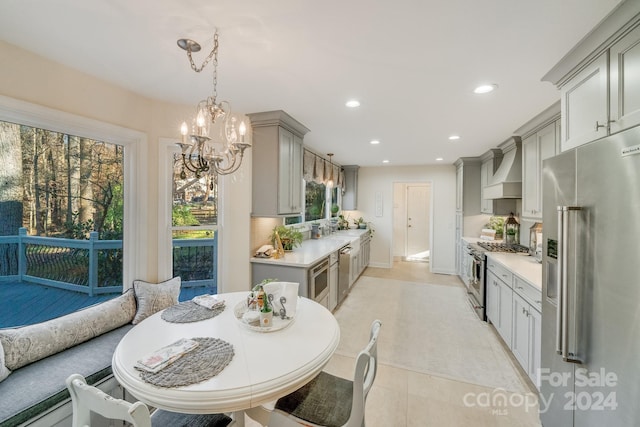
(486,172)
(535,349)
(459,188)
(284,172)
(297,189)
(625,85)
(350,196)
(520,335)
(506,311)
(493,299)
(530,174)
(535,149)
(583,102)
(289,173)
(499,306)
(333,286)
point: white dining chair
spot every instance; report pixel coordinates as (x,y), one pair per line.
(330,401)
(86,399)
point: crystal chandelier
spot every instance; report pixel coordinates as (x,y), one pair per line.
(199,153)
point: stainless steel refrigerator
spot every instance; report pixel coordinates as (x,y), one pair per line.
(590,367)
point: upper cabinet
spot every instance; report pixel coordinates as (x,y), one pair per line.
(540,141)
(468,185)
(277,164)
(535,149)
(599,87)
(350,196)
(584,105)
(624,68)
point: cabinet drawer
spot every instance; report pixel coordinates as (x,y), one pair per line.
(500,271)
(529,292)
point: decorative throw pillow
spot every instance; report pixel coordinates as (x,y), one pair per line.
(30,343)
(152,297)
(4,372)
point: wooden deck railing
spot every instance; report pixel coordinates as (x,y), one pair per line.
(95,266)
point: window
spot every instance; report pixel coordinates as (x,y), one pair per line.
(61,222)
(194,223)
(315,201)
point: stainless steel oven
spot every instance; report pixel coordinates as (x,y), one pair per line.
(476,287)
(319,282)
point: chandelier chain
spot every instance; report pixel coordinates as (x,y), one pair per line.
(214,53)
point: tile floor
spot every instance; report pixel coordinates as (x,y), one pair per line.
(402,397)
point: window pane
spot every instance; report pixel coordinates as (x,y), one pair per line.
(315,200)
(60,191)
(195,200)
(195,236)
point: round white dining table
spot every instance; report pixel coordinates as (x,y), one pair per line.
(265,366)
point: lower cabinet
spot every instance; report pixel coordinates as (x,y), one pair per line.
(499,310)
(333,286)
(526,337)
(513,308)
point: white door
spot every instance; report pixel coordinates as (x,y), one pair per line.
(418,221)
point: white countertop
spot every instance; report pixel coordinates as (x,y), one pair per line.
(524,266)
(312,251)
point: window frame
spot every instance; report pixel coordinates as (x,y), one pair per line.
(135,168)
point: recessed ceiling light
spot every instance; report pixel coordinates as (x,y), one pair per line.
(454,137)
(353,103)
(374,142)
(485,88)
(385,161)
(439,159)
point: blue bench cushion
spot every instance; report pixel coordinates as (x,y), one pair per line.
(39,386)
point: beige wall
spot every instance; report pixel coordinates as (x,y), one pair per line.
(28,77)
(442,179)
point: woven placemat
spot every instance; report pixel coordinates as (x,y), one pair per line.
(204,362)
(189,311)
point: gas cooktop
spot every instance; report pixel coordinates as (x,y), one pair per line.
(503,247)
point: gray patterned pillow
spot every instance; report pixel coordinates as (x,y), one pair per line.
(27,344)
(4,372)
(152,297)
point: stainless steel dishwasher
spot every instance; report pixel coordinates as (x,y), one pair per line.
(344,273)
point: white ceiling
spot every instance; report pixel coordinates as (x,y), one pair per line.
(412,63)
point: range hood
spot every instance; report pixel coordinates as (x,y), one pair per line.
(506,183)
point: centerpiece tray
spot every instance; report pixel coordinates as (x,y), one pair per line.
(276,322)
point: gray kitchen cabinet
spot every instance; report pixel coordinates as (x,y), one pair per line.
(468,206)
(365,251)
(624,64)
(536,148)
(333,285)
(599,87)
(350,196)
(492,305)
(500,309)
(584,105)
(490,161)
(520,335)
(526,339)
(277,151)
(282,273)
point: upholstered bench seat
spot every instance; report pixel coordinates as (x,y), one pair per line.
(39,386)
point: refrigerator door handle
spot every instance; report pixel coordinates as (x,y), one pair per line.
(559,280)
(563,255)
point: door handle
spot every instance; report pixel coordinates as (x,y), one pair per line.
(563,283)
